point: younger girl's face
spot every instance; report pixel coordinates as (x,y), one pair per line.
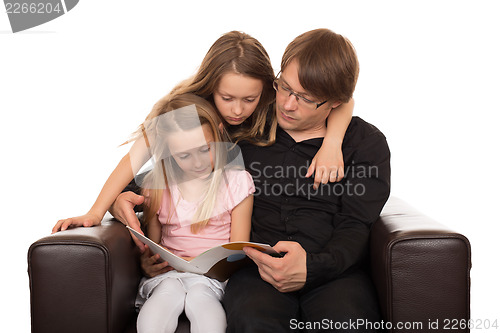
(237,96)
(191,151)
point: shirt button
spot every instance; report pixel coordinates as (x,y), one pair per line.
(290,237)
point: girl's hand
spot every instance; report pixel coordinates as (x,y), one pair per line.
(151,264)
(327,164)
(87,220)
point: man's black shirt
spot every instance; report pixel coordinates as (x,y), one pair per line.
(333,222)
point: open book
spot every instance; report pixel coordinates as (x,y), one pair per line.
(218,262)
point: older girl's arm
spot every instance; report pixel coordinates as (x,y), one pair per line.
(328,164)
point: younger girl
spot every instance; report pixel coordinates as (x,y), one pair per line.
(195,200)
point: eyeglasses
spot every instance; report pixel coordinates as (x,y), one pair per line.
(301,100)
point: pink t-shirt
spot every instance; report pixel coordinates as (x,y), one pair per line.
(177,235)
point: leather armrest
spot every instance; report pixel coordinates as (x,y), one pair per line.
(84,280)
(421,269)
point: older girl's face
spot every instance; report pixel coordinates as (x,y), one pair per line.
(237,96)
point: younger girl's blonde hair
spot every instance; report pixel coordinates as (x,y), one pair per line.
(165,168)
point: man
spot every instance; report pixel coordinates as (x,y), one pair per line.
(320,283)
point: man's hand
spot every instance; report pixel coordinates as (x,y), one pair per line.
(123,210)
(150,264)
(286,274)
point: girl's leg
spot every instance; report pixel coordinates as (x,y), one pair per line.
(204,310)
(161,311)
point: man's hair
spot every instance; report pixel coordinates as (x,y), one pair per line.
(328,65)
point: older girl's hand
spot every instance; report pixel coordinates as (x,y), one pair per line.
(87,220)
(327,165)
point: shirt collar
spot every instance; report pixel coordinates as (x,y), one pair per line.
(284,137)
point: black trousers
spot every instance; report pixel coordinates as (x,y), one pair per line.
(346,304)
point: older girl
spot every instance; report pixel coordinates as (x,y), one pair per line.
(236,76)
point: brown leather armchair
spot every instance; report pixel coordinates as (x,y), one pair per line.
(85,279)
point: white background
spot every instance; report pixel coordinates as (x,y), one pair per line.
(73,89)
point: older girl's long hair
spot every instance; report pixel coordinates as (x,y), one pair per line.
(165,167)
(240,53)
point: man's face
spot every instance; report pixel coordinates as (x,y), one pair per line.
(297,120)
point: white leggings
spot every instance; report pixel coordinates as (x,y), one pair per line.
(160,313)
